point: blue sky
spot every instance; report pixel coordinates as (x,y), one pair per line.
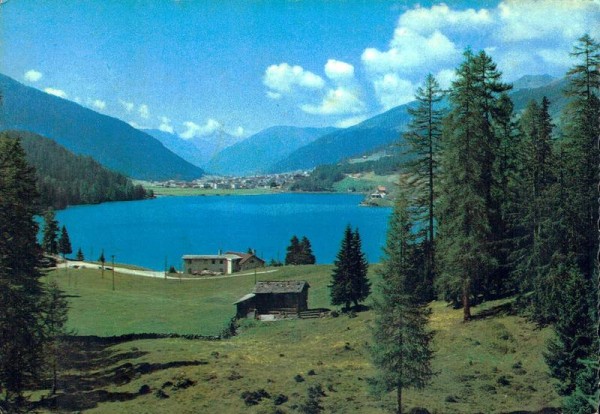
(194,67)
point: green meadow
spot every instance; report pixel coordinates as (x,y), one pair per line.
(493,364)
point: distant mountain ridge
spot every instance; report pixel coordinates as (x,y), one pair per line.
(198,150)
(111,142)
(258,153)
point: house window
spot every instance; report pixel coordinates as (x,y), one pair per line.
(213,262)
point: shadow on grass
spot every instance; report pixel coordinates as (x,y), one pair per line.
(506,309)
(546,410)
(88,366)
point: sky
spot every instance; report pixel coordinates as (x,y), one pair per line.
(193,68)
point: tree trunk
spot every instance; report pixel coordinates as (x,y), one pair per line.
(466,303)
(399,400)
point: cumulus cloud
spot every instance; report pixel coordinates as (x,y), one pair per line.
(392,90)
(337,101)
(445,77)
(410,50)
(32,75)
(339,71)
(56,92)
(195,130)
(239,132)
(144,111)
(98,104)
(424,20)
(165,125)
(284,79)
(128,106)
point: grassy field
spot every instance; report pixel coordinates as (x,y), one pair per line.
(492,365)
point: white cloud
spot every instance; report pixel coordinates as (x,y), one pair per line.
(410,50)
(165,125)
(98,104)
(339,71)
(128,106)
(138,126)
(144,111)
(445,77)
(32,75)
(239,132)
(56,92)
(336,102)
(283,79)
(424,20)
(348,122)
(547,19)
(391,90)
(195,130)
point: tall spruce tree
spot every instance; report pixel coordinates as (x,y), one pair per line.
(64,242)
(21,322)
(423,138)
(293,251)
(349,282)
(581,128)
(401,347)
(56,309)
(50,236)
(306,254)
(469,212)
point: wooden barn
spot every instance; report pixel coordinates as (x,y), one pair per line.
(284,297)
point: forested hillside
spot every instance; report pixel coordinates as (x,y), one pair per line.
(64,178)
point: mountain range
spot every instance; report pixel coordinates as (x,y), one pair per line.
(151,154)
(113,143)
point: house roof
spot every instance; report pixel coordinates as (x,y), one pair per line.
(212,256)
(280,286)
(245,256)
(244,298)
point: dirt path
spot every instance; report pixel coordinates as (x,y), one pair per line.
(152,273)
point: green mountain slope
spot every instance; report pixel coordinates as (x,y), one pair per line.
(66,179)
(112,142)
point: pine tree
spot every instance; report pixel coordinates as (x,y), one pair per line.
(423,136)
(469,212)
(49,239)
(349,278)
(306,254)
(293,250)
(102,261)
(79,255)
(55,318)
(64,242)
(585,398)
(402,343)
(21,331)
(581,128)
(574,329)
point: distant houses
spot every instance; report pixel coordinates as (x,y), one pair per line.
(227,263)
(274,298)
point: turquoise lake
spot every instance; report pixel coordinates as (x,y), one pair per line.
(148,233)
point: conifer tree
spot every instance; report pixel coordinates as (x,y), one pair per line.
(55,318)
(469,212)
(349,282)
(423,136)
(21,331)
(50,236)
(402,343)
(102,260)
(293,250)
(79,255)
(64,242)
(306,254)
(581,128)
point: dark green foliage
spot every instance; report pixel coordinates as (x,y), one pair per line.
(469,211)
(349,282)
(401,348)
(585,398)
(49,239)
(299,252)
(55,308)
(21,330)
(64,243)
(66,179)
(312,404)
(575,338)
(79,255)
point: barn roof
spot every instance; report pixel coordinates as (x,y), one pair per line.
(211,256)
(245,256)
(244,298)
(280,286)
